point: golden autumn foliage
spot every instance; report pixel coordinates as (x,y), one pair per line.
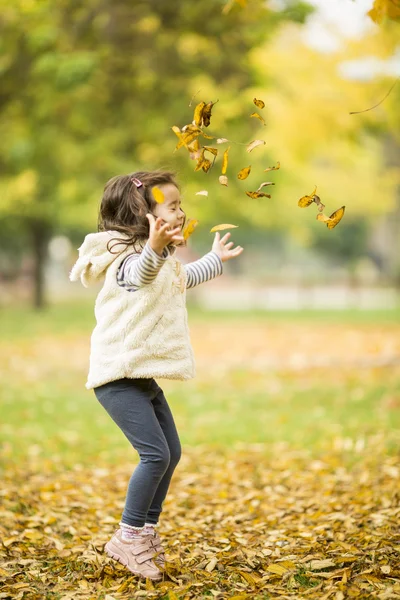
(334,218)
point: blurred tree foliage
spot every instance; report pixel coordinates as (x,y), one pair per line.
(90,90)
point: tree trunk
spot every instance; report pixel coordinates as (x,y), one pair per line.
(40,233)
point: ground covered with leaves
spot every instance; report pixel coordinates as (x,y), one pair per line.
(304,504)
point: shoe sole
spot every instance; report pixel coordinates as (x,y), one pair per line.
(123,562)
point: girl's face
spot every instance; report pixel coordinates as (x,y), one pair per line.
(170,210)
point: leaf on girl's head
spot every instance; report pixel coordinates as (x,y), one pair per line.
(258,195)
(222,140)
(202,193)
(189,228)
(334,219)
(307,200)
(244,173)
(278,166)
(254,144)
(198,113)
(260,187)
(225,161)
(207,113)
(223,180)
(157,195)
(223,227)
(258,103)
(257,116)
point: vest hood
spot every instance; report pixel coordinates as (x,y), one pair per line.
(95,258)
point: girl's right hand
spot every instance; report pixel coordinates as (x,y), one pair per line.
(162,235)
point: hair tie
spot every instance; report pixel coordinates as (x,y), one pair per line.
(136,181)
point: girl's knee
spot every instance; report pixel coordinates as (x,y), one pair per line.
(176,454)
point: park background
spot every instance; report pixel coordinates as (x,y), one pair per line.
(288,482)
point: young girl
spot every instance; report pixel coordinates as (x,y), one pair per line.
(141,333)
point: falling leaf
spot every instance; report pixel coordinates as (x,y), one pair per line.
(223,227)
(225,161)
(208,137)
(318,202)
(190,226)
(202,162)
(257,116)
(257,195)
(207,113)
(223,180)
(188,134)
(244,173)
(278,166)
(334,219)
(202,193)
(222,140)
(198,114)
(213,151)
(259,103)
(194,150)
(157,195)
(254,144)
(264,184)
(307,200)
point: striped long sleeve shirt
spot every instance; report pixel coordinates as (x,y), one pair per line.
(137,270)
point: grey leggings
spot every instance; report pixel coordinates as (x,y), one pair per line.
(139,408)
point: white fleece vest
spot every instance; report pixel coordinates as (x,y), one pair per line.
(140,334)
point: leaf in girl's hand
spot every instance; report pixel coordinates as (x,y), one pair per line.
(257,195)
(278,166)
(334,219)
(254,144)
(223,227)
(198,114)
(307,200)
(189,228)
(202,193)
(244,173)
(157,195)
(264,184)
(223,180)
(222,140)
(258,103)
(257,116)
(225,161)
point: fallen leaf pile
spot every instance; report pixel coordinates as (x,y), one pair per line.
(234,525)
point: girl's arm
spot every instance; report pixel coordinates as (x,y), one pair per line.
(137,270)
(210,265)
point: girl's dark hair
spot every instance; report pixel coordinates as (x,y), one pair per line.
(124,206)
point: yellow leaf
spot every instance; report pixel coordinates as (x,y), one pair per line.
(211,564)
(202,193)
(276,568)
(278,166)
(257,116)
(158,195)
(198,113)
(172,595)
(225,161)
(254,144)
(213,151)
(384,9)
(257,195)
(208,137)
(244,173)
(190,226)
(334,219)
(207,113)
(307,200)
(223,227)
(259,103)
(223,180)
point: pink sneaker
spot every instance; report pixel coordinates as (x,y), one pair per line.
(135,554)
(159,557)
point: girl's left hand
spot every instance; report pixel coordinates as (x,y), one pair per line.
(224,250)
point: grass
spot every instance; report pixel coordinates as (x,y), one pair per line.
(49,415)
